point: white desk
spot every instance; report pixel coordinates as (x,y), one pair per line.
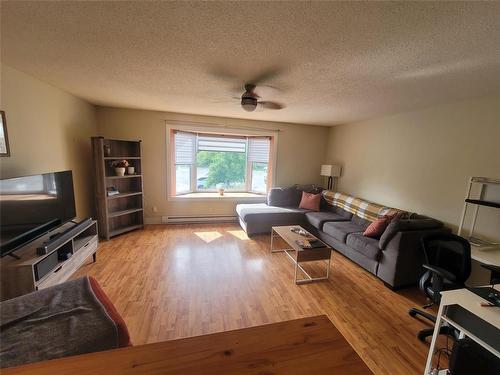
(471,302)
(486,255)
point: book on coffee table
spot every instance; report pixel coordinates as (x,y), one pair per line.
(310,244)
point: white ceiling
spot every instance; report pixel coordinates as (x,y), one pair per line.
(339,61)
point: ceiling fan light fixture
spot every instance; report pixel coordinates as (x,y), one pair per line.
(248,107)
(249,104)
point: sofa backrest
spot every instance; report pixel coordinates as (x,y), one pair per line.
(290,196)
(356,206)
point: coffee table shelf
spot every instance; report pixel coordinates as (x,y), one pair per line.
(301,255)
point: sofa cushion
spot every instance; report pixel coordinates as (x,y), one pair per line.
(340,229)
(284,197)
(290,196)
(376,228)
(317,219)
(361,222)
(399,223)
(364,245)
(310,201)
(312,189)
(261,211)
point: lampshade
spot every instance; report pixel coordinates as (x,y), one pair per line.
(330,170)
(326,170)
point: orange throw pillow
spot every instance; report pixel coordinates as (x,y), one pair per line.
(310,201)
(376,228)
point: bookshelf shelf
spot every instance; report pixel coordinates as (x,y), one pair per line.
(124,195)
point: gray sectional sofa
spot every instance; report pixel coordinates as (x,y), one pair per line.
(396,257)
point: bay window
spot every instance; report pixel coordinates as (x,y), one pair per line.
(208,162)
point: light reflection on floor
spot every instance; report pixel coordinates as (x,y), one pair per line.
(208,236)
(239,234)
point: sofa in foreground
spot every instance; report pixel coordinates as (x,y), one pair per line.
(71,318)
(395,257)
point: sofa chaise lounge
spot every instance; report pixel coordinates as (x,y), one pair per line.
(396,257)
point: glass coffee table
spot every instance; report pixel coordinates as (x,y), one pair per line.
(299,254)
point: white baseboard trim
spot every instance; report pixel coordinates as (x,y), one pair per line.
(178,219)
(152,220)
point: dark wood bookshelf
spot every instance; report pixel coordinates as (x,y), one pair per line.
(123,212)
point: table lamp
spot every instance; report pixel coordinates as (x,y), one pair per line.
(330,171)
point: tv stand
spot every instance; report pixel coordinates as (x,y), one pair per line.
(27,271)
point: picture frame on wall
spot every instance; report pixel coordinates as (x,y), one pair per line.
(4,139)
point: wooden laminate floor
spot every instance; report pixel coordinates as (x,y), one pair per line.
(173,281)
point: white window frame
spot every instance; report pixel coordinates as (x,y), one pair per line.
(172,126)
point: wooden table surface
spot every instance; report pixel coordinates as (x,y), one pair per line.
(290,237)
(304,346)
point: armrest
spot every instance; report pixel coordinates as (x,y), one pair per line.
(401,260)
(440,272)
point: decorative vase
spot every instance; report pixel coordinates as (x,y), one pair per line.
(120,171)
(107,150)
(131,170)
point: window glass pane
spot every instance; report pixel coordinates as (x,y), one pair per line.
(25,184)
(259,177)
(218,169)
(182,178)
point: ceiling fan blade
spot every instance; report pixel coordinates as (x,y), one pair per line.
(269,87)
(271,105)
(223,74)
(266,75)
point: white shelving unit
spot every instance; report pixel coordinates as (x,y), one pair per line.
(488,254)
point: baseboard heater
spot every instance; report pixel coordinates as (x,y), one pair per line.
(198,219)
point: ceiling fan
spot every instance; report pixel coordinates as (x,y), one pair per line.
(250,100)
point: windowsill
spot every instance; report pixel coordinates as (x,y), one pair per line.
(228,196)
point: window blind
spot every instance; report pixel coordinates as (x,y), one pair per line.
(258,150)
(185,148)
(210,143)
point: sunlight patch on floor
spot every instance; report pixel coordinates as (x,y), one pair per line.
(239,234)
(208,236)
(255,264)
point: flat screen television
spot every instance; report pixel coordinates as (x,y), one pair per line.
(31,206)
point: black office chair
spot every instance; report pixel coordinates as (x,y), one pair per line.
(447,267)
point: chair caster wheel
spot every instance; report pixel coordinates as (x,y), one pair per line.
(421,336)
(412,313)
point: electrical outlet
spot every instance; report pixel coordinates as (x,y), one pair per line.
(155,209)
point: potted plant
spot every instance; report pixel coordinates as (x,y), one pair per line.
(120,166)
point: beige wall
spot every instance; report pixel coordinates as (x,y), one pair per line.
(421,160)
(49,130)
(301,151)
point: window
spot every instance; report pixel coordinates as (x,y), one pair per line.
(208,162)
(258,161)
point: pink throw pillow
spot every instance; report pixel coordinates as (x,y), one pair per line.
(310,201)
(376,228)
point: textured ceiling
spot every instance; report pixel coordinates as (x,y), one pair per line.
(339,61)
